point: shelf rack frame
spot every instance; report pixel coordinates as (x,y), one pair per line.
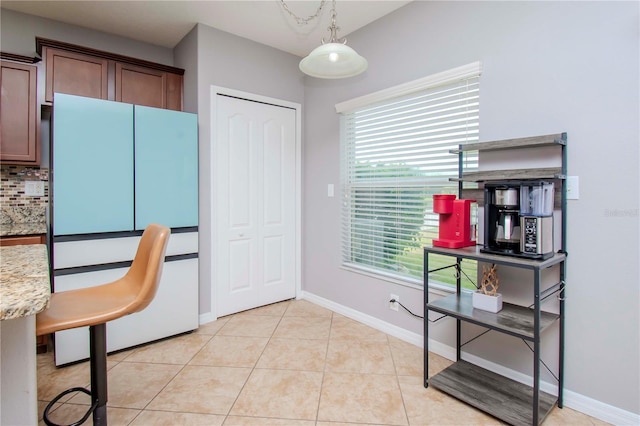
(519,404)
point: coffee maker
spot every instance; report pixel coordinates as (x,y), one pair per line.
(518,218)
(457,225)
(502,218)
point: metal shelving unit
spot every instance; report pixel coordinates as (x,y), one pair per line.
(508,400)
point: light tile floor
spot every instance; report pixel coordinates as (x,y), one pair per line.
(291,364)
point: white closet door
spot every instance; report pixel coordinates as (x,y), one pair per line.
(255,204)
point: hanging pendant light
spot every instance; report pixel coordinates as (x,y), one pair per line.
(333,59)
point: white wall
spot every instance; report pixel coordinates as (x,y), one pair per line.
(548,67)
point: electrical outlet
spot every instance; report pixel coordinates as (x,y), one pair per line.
(394,305)
(34,188)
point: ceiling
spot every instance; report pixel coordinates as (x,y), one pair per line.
(165,23)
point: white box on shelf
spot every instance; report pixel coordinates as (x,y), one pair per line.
(486,302)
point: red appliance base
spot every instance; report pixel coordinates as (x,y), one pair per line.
(453,243)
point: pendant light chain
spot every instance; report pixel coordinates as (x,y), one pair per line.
(333,28)
(305,21)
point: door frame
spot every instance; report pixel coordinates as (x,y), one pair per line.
(216,91)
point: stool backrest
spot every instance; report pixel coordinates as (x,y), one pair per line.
(146,269)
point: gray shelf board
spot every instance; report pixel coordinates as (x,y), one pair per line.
(478,195)
(474,253)
(519,143)
(499,396)
(519,174)
(512,319)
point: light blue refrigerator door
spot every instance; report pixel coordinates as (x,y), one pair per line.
(92,165)
(166,167)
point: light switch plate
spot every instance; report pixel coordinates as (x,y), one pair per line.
(573,188)
(34,188)
(330,191)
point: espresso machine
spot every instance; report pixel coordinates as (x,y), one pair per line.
(518,218)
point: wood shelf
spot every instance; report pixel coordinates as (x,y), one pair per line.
(474,253)
(531,142)
(517,174)
(492,393)
(515,320)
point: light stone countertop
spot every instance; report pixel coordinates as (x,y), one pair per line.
(24,280)
(29,228)
(26,220)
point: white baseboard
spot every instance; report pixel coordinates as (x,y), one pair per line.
(205,318)
(599,410)
(573,400)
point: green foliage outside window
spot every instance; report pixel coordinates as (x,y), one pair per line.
(392,220)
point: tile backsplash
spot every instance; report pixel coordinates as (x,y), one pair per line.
(12,186)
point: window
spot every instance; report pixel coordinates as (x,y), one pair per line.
(395,157)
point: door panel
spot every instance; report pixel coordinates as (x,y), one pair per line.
(273,173)
(255,198)
(240,260)
(92,165)
(278,207)
(273,260)
(240,173)
(177,294)
(166,170)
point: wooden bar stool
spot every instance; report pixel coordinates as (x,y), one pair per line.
(95,306)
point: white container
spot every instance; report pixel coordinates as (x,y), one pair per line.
(487,303)
(536,199)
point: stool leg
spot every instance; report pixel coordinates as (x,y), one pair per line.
(98,348)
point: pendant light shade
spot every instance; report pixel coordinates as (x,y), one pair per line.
(333,60)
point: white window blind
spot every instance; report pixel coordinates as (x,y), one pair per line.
(395,157)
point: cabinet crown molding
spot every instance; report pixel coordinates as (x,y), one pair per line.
(19,58)
(44,42)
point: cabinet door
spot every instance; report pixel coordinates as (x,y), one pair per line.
(18,114)
(141,86)
(174,91)
(75,74)
(92,165)
(166,167)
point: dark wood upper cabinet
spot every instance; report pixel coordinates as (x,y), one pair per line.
(141,86)
(174,91)
(75,74)
(19,114)
(82,71)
